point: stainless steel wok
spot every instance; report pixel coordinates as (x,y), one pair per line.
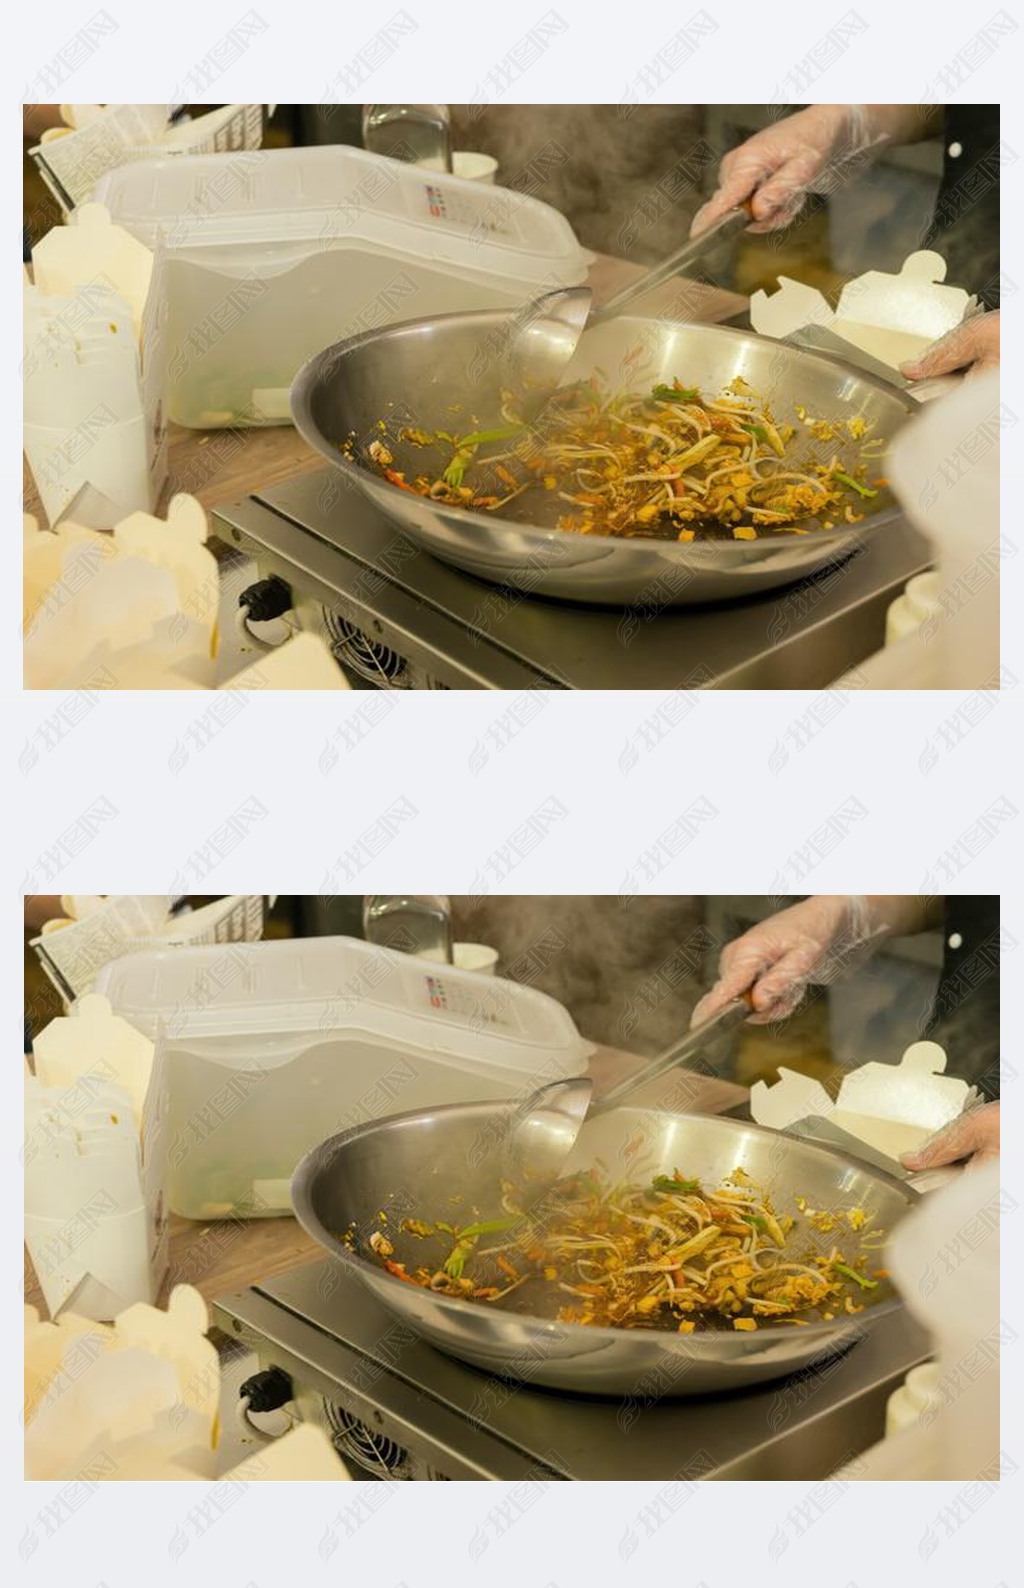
(412,374)
(412,1165)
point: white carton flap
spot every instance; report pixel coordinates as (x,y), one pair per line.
(892,317)
(891,1107)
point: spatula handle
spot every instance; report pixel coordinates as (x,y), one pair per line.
(731,222)
(678,1054)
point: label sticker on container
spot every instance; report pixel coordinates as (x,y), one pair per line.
(483,213)
(479,1010)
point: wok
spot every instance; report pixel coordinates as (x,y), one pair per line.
(412,1165)
(413,373)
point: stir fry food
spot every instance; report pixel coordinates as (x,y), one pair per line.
(668,463)
(666,1254)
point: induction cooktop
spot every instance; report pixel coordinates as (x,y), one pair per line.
(397,1408)
(398,618)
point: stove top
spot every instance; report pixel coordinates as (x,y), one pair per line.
(396,617)
(397,1408)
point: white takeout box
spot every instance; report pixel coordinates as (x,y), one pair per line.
(95,430)
(95,1214)
(140,1399)
(126,923)
(892,317)
(101,138)
(891,1107)
(93,249)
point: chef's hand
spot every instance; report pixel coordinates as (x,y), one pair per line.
(974,1136)
(778,166)
(811,942)
(973,346)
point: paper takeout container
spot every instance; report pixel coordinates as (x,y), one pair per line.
(131,923)
(107,137)
(891,1107)
(94,426)
(95,1214)
(891,317)
(140,1399)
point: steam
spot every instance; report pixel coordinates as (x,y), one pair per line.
(627,177)
(628,971)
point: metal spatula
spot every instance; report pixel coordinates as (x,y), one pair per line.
(548,1123)
(549,333)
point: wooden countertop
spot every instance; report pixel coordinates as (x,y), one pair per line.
(219,466)
(229,1254)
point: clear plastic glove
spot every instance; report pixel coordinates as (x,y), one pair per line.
(811,943)
(781,164)
(974,1136)
(973,346)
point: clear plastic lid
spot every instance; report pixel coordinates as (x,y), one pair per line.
(335,196)
(333,985)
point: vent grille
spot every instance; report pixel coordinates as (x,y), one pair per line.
(371,1449)
(367,658)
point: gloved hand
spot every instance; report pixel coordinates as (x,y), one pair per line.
(781,164)
(974,1136)
(810,943)
(973,346)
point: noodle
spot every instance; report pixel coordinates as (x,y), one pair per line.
(720,1258)
(707,457)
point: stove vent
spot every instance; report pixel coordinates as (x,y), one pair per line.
(364,1445)
(367,658)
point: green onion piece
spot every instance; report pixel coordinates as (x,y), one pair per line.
(851,1273)
(455,1262)
(675,394)
(756,430)
(674,1183)
(478,437)
(862,490)
(466,1239)
(465,448)
(489,1227)
(755,1220)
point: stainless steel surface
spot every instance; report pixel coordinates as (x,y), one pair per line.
(411,621)
(419,134)
(390,1400)
(544,337)
(416,1163)
(412,374)
(816,1128)
(544,1128)
(819,339)
(542,1133)
(413,923)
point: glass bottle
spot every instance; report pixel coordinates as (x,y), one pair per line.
(414,923)
(421,134)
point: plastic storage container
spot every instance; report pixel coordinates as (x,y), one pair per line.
(277,254)
(269,1048)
